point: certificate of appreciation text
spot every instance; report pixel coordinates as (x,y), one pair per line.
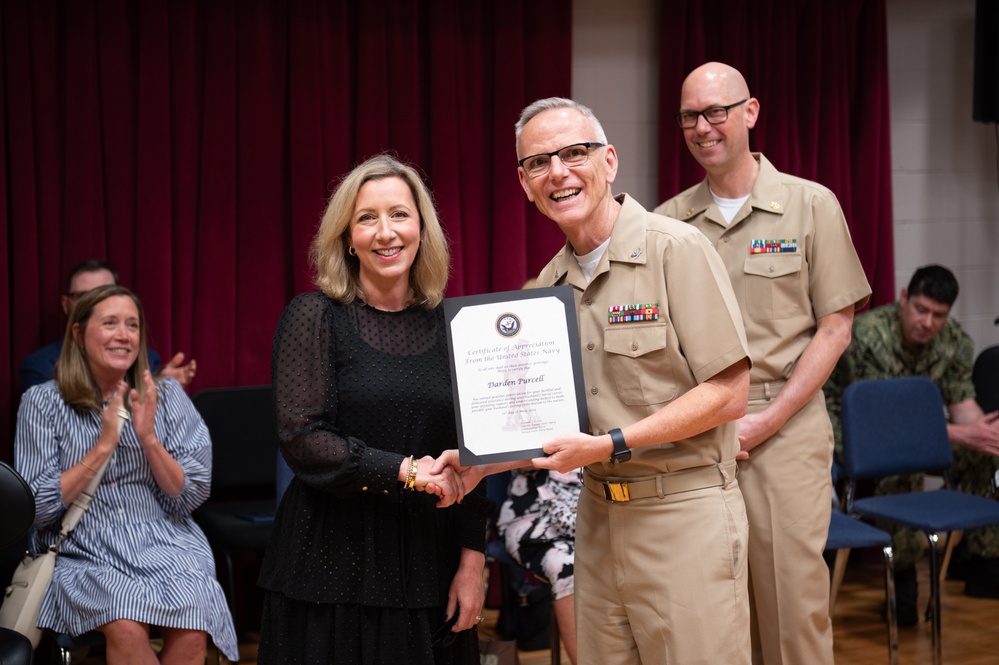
(516,372)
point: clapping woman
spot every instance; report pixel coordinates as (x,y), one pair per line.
(136,559)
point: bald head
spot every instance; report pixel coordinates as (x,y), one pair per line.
(716,78)
(715,96)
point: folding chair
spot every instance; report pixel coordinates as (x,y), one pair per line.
(239,515)
(897,426)
(846,533)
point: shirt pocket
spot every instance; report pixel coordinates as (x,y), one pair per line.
(638,358)
(774,287)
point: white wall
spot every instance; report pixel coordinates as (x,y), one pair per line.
(944,165)
(944,172)
(615,71)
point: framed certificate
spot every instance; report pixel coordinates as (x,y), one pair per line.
(516,372)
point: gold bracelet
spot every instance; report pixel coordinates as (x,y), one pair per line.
(411,476)
(87,466)
(408,461)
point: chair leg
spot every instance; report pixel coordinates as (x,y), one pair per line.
(229,585)
(556,640)
(934,608)
(953,538)
(839,568)
(888,555)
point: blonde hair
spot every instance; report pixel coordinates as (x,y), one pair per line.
(337,273)
(72,372)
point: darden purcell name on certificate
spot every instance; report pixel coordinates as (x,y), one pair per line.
(516,372)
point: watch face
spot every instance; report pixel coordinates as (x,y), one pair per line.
(623,456)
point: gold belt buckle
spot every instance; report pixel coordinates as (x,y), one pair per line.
(617,492)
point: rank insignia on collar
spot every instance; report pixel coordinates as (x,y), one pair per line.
(632,313)
(780,246)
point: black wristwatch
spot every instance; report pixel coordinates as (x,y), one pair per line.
(621,453)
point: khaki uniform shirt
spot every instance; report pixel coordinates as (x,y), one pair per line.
(632,369)
(781,293)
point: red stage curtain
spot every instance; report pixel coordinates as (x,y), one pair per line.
(193,144)
(820,72)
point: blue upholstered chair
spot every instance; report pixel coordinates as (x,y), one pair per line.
(897,426)
(847,533)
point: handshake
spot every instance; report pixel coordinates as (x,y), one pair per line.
(443,477)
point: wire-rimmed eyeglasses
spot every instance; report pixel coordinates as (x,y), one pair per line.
(715,115)
(571,155)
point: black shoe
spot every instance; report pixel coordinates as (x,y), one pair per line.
(982,579)
(906,594)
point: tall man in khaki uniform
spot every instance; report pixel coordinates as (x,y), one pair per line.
(661,527)
(798,280)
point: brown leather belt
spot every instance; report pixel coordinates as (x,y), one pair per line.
(765,389)
(621,490)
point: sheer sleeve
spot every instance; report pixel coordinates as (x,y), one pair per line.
(306,402)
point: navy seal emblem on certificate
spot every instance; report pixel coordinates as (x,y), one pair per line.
(516,372)
(508,324)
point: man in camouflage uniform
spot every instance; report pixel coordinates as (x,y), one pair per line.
(916,337)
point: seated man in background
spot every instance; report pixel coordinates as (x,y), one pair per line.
(37,367)
(916,337)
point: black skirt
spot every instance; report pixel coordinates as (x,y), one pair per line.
(299,632)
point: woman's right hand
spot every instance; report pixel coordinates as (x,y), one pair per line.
(445,484)
(75,479)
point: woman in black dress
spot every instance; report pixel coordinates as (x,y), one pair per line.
(361,569)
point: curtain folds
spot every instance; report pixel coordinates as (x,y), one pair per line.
(193,144)
(820,72)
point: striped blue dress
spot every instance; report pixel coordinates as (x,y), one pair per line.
(136,554)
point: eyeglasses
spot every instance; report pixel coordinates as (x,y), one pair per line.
(715,115)
(571,155)
(75,295)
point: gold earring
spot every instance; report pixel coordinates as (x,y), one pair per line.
(352,251)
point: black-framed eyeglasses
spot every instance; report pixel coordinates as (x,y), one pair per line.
(75,295)
(715,115)
(571,155)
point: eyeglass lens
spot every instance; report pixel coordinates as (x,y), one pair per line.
(572,155)
(715,115)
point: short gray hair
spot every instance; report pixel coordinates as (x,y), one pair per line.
(550,103)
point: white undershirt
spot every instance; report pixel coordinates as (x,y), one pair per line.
(588,262)
(729,207)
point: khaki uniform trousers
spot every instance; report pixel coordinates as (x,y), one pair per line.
(663,581)
(787,485)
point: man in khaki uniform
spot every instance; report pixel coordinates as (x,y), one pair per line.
(798,280)
(661,528)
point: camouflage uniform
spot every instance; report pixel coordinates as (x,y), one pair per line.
(877,352)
